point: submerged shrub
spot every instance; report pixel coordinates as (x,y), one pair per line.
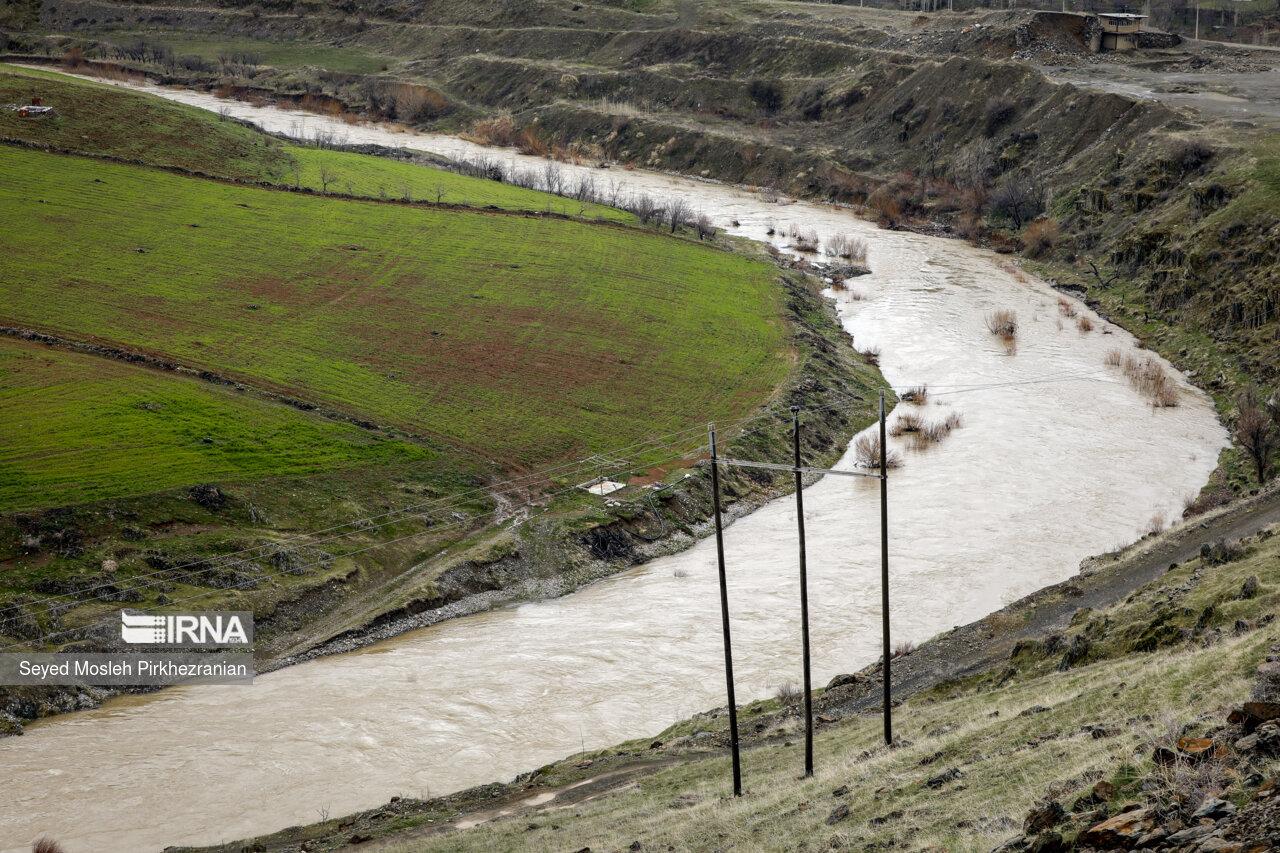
(1003,323)
(866,451)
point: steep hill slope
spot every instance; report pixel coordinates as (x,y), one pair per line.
(1071,729)
(336,410)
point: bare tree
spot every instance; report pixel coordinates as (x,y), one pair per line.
(327,177)
(552,178)
(702,224)
(440,193)
(644,207)
(1019,197)
(1257,430)
(677,213)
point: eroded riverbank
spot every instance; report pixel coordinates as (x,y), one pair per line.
(1058,458)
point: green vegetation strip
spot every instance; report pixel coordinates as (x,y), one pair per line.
(524,339)
(102,120)
(76,428)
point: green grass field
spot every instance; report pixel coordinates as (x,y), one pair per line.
(76,428)
(99,119)
(522,339)
(380,177)
(96,118)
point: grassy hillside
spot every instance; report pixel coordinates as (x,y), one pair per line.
(76,428)
(521,339)
(974,756)
(102,120)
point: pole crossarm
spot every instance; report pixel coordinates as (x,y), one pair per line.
(795,469)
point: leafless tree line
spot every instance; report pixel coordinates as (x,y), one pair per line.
(673,214)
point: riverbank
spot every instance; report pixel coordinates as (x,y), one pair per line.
(506,534)
(957,703)
(921,314)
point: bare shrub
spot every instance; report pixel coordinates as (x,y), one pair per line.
(1257,430)
(1020,197)
(852,249)
(788,695)
(917,394)
(1003,323)
(677,212)
(974,166)
(702,226)
(1187,155)
(414,102)
(907,422)
(1148,376)
(1155,524)
(903,649)
(1040,237)
(887,206)
(871,355)
(45,844)
(1065,308)
(866,451)
(73,57)
(1084,324)
(499,130)
(529,142)
(997,113)
(1114,358)
(803,239)
(645,208)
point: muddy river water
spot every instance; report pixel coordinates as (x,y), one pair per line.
(1058,459)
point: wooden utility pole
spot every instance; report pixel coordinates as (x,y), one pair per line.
(724,616)
(884,573)
(804,597)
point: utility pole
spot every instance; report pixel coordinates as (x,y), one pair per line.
(804,597)
(724,614)
(884,573)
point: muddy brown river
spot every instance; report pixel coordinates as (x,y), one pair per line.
(1058,459)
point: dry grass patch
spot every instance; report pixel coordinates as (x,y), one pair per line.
(1149,377)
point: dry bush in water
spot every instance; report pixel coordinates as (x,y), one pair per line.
(1003,323)
(1084,324)
(47,845)
(850,248)
(1065,308)
(867,452)
(1040,237)
(903,649)
(907,422)
(1114,358)
(803,240)
(1149,377)
(917,394)
(932,432)
(871,355)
